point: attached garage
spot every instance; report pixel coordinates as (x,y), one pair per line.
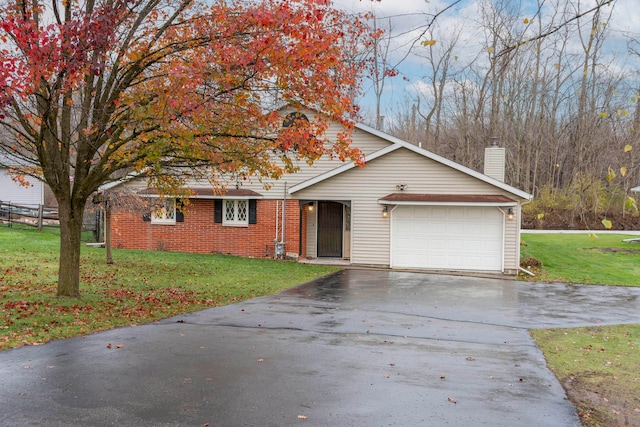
(447,238)
(412,209)
(444,232)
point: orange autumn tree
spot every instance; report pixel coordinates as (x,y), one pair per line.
(93,89)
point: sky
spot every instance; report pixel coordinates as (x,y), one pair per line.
(408,17)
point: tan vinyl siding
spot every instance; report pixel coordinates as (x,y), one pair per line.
(494,158)
(136,184)
(370,233)
(365,142)
(312,232)
(512,241)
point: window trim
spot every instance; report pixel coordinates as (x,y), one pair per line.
(164,220)
(235,222)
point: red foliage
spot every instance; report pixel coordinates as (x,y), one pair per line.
(91,90)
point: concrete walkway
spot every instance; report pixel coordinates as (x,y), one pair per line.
(357,348)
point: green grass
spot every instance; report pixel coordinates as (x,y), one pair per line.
(144,286)
(581,258)
(598,366)
(140,287)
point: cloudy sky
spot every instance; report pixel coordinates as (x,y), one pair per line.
(408,18)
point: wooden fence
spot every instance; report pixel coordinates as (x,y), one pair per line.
(35,216)
(40,216)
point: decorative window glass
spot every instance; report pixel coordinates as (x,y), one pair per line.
(236,212)
(164,212)
(291,119)
(347,218)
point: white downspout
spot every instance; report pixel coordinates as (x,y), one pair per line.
(284,214)
(504,236)
(275,240)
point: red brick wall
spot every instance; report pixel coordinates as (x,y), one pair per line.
(199,234)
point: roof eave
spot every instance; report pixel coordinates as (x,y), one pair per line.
(397,143)
(447,162)
(340,169)
(438,203)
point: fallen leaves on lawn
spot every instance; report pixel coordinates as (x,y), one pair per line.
(30,322)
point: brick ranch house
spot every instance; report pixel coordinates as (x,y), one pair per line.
(407,208)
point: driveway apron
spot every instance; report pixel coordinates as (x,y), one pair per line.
(356,348)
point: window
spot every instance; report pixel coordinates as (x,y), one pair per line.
(164,212)
(291,119)
(232,212)
(236,212)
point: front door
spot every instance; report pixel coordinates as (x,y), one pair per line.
(330,226)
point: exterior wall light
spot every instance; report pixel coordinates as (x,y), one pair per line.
(310,207)
(510,214)
(385,211)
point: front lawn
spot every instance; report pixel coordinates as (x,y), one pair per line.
(597,366)
(582,258)
(141,287)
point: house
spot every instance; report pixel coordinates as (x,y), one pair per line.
(12,192)
(406,208)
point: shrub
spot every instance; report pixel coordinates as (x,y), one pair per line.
(530,262)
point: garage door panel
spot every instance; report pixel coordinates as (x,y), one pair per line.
(453,214)
(451,238)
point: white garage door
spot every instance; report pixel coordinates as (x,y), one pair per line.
(447,238)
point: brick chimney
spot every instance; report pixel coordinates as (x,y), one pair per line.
(494,160)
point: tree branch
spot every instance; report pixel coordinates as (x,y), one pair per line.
(553,30)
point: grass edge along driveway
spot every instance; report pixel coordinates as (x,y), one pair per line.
(597,366)
(593,364)
(141,287)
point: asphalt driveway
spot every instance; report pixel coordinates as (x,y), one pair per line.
(357,348)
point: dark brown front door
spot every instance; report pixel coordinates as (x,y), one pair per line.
(330,217)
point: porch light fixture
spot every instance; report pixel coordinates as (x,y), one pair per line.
(385,211)
(310,207)
(510,214)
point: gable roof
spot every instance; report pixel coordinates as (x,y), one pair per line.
(396,144)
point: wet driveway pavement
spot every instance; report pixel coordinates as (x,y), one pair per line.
(357,348)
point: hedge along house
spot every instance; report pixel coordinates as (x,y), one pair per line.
(406,208)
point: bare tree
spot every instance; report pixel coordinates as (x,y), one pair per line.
(439,55)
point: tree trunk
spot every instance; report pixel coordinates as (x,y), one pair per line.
(70,234)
